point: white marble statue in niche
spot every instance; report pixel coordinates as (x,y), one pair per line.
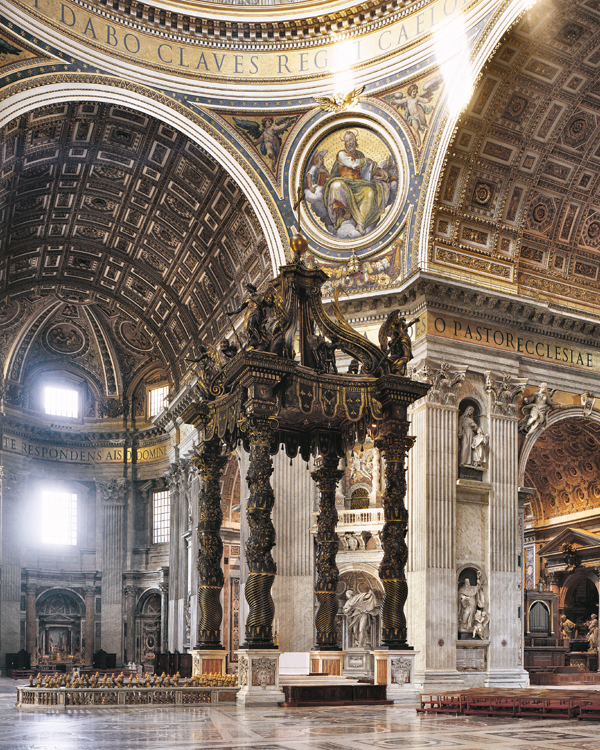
(361,610)
(473,620)
(473,442)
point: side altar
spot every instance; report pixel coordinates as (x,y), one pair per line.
(265,396)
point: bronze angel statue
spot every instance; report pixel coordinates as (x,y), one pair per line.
(267,134)
(208,364)
(264,333)
(395,341)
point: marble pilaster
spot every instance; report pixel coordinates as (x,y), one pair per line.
(432,476)
(113,497)
(505,576)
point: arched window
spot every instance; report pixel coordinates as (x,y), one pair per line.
(539,618)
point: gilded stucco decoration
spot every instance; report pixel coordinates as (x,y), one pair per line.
(563,466)
(518,190)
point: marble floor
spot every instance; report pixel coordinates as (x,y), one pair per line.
(360,728)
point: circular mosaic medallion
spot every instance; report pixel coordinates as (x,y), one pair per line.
(353,177)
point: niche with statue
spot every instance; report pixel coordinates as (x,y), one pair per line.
(473,617)
(473,442)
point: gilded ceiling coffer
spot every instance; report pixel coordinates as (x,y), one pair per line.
(210,463)
(267,395)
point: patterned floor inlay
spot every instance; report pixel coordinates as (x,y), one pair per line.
(232,728)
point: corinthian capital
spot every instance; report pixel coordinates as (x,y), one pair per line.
(504,393)
(445,381)
(114,491)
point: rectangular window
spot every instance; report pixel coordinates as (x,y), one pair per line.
(156,400)
(59,518)
(161,527)
(61,402)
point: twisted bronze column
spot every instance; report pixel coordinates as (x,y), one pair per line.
(210,464)
(393,539)
(261,539)
(327,476)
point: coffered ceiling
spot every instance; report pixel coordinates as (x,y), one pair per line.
(563,466)
(119,237)
(519,201)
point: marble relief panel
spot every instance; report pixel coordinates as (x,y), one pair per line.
(471,531)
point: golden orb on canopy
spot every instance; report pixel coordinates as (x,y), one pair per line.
(299,244)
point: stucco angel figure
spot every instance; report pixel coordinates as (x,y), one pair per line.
(535,409)
(267,135)
(470,599)
(395,342)
(359,609)
(417,106)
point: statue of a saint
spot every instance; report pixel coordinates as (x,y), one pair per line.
(470,599)
(467,429)
(535,409)
(592,634)
(567,627)
(479,448)
(359,610)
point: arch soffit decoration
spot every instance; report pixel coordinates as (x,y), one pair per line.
(143,600)
(570,443)
(369,570)
(21,105)
(48,594)
(521,212)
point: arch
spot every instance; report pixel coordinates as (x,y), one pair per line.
(571,584)
(146,603)
(558,415)
(506,18)
(68,597)
(538,617)
(561,462)
(156,105)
